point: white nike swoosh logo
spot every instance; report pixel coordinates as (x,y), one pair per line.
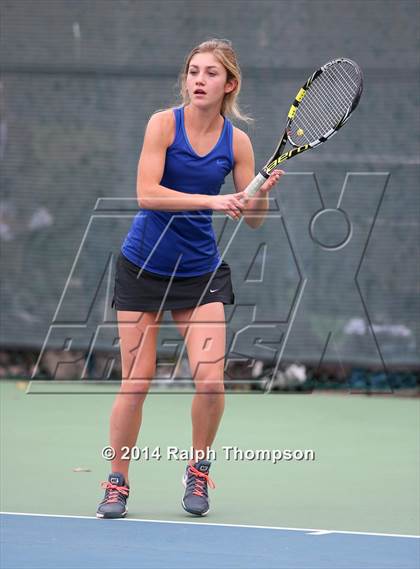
(214,290)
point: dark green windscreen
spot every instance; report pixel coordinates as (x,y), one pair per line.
(332,273)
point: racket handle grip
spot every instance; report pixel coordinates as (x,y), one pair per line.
(253,187)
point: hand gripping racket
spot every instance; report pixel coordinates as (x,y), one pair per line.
(321,107)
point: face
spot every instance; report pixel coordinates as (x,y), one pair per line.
(206,80)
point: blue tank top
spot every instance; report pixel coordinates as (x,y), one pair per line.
(182,243)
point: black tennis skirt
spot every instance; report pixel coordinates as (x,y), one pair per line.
(142,291)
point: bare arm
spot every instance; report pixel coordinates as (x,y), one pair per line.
(244,172)
(150,194)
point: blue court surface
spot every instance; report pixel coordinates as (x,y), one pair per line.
(51,541)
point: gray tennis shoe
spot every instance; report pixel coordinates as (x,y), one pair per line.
(196,481)
(114,504)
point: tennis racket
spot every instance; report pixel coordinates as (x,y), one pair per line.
(321,107)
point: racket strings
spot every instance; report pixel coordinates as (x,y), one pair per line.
(330,83)
(329,104)
(314,121)
(353,77)
(312,116)
(344,94)
(310,123)
(327,101)
(340,84)
(325,106)
(311,119)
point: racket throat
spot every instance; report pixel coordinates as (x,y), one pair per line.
(283,157)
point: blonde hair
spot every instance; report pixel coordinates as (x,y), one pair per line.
(225,54)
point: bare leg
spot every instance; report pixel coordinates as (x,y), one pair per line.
(204,330)
(138,332)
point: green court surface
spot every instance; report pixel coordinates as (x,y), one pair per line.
(365,475)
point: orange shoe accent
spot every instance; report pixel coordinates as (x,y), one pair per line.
(199,482)
(114,490)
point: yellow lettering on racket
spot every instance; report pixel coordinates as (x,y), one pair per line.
(272,165)
(292,112)
(283,157)
(300,95)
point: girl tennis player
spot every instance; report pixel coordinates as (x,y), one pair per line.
(170,261)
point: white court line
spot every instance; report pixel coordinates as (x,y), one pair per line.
(311,530)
